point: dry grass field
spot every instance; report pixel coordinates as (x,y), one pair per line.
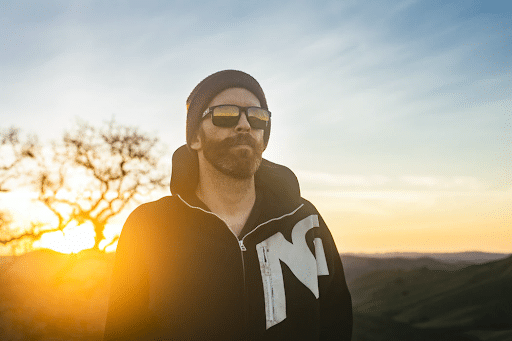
(52,296)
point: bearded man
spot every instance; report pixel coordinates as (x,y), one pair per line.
(235,253)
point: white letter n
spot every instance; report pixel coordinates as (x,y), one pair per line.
(298,258)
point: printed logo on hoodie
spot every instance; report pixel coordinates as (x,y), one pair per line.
(298,257)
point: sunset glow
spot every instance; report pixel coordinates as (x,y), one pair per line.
(72,239)
(76,238)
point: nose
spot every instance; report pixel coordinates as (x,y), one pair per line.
(243,123)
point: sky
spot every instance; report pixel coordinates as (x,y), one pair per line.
(395,116)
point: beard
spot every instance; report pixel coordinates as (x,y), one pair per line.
(238,163)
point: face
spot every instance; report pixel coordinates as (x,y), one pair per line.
(235,151)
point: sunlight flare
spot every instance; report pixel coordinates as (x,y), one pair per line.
(73,239)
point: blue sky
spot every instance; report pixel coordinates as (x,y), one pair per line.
(370,99)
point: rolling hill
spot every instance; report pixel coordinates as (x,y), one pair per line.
(357,266)
(46,295)
(472,302)
(471,257)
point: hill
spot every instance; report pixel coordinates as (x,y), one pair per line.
(47,295)
(357,266)
(472,302)
(472,257)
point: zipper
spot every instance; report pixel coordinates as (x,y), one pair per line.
(242,246)
(245,310)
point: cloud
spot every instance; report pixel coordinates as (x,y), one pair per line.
(341,180)
(329,181)
(378,202)
(394,196)
(458,182)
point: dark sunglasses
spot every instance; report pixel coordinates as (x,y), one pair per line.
(227,116)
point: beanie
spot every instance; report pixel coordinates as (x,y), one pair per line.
(211,86)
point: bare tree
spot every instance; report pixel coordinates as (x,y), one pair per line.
(93,174)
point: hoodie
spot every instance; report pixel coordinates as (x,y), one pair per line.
(181,274)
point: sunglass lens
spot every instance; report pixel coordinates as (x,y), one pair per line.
(258,117)
(225,116)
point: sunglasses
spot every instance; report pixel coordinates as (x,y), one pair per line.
(227,116)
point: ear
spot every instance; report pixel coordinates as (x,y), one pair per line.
(195,143)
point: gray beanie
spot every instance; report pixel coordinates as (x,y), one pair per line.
(211,86)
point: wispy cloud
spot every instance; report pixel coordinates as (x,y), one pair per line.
(468,183)
(341,180)
(312,179)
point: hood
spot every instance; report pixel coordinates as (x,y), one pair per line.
(269,176)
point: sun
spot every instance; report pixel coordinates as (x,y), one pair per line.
(75,238)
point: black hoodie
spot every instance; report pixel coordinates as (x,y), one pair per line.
(181,274)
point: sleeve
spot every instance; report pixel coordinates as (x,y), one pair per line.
(335,299)
(127,314)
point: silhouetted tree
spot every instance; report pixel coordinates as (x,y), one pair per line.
(94,173)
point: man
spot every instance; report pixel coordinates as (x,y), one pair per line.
(235,253)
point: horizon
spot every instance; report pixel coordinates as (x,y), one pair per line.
(341,253)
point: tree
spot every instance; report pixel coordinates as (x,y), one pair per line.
(13,152)
(95,173)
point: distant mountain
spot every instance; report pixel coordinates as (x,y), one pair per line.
(473,303)
(356,266)
(473,257)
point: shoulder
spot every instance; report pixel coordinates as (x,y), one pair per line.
(164,204)
(308,209)
(308,206)
(151,218)
(153,211)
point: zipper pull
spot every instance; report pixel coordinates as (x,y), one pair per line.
(242,246)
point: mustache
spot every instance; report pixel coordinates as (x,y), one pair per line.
(239,139)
